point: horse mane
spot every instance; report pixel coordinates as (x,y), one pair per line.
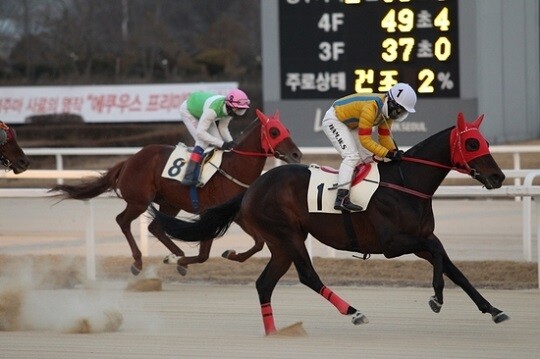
(418,149)
(245,132)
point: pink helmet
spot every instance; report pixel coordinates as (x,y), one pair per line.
(237,99)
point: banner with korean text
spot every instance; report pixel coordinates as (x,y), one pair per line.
(102,103)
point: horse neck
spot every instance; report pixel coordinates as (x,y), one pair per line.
(250,158)
(424,177)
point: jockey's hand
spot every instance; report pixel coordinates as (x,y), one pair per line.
(395,155)
(227,146)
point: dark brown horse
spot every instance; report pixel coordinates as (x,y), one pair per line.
(399,219)
(11,155)
(139,182)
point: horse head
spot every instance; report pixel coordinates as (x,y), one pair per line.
(469,151)
(276,139)
(11,155)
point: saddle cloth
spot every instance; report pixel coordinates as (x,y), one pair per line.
(175,168)
(321,199)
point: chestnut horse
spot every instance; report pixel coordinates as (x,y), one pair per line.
(399,219)
(12,156)
(138,181)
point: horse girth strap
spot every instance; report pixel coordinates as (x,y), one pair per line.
(347,222)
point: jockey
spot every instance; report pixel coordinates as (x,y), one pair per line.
(349,123)
(207,116)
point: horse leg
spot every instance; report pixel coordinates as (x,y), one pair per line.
(429,248)
(278,265)
(242,257)
(309,277)
(204,254)
(160,234)
(456,276)
(124,219)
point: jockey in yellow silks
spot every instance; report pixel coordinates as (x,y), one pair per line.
(349,123)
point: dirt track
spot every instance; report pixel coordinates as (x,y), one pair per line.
(223,321)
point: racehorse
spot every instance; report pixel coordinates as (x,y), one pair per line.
(399,219)
(138,182)
(12,156)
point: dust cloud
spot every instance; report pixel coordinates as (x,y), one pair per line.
(55,299)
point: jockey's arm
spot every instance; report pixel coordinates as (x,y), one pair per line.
(223,127)
(385,135)
(207,118)
(365,127)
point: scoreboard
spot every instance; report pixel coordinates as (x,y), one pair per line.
(332,48)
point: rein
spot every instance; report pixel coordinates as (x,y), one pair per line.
(457,144)
(258,154)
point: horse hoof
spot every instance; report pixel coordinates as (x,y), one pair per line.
(228,253)
(434,304)
(181,269)
(135,270)
(171,259)
(500,317)
(359,318)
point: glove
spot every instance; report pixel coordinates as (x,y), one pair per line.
(394,155)
(227,146)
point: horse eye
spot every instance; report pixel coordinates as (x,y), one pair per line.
(472,144)
(274,132)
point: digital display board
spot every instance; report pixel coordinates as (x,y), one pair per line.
(332,48)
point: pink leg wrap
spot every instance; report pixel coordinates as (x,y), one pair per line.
(268,318)
(341,305)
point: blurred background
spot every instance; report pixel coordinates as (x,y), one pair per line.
(97,42)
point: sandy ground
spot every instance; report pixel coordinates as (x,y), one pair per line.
(217,321)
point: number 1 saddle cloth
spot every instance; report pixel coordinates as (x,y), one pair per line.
(322,189)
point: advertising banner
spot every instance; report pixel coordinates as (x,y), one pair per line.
(103,103)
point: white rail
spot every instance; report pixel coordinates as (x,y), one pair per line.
(527,191)
(515,150)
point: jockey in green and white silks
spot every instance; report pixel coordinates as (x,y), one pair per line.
(349,123)
(207,117)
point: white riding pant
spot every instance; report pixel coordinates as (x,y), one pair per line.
(346,142)
(192,123)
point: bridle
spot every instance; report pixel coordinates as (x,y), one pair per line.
(459,160)
(268,144)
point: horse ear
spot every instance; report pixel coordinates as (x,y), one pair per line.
(276,115)
(461,121)
(478,121)
(262,117)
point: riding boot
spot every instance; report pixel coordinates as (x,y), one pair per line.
(191,177)
(343,202)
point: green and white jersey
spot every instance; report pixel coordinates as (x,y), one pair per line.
(200,101)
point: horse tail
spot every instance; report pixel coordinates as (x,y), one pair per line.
(91,189)
(212,223)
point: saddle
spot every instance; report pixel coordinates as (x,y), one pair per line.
(175,167)
(323,185)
